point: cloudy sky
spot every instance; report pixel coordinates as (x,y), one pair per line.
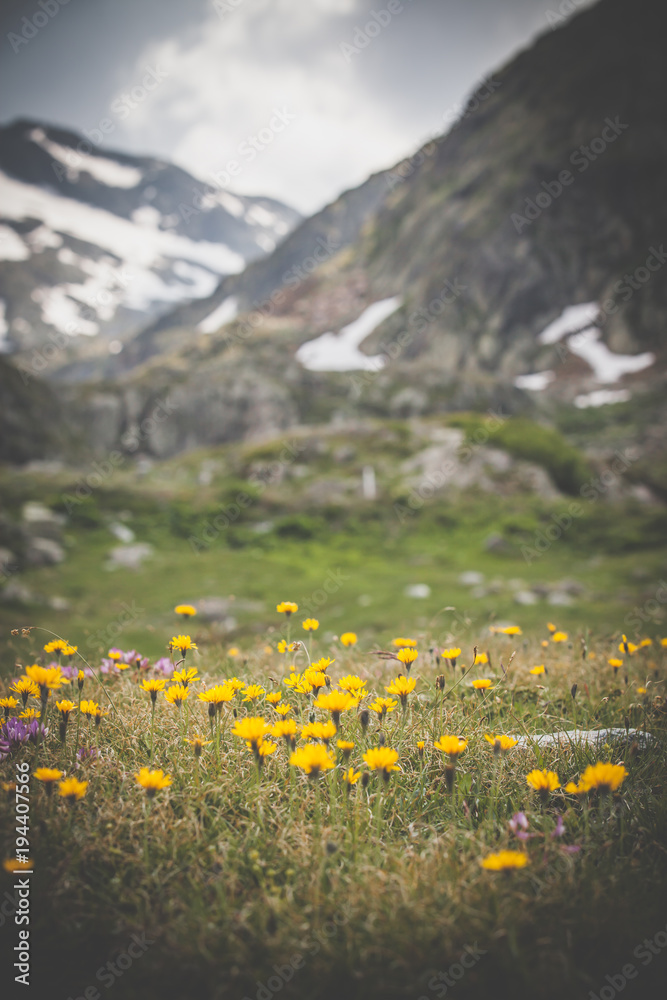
(307,97)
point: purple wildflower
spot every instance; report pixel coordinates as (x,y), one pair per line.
(35,728)
(519,825)
(560,828)
(164,666)
(14,733)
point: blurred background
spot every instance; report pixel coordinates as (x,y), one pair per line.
(360,305)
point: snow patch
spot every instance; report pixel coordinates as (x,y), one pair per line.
(264,242)
(231,204)
(4,329)
(147,215)
(224,313)
(141,246)
(42,238)
(12,246)
(602,397)
(61,311)
(535,382)
(338,352)
(258,216)
(107,172)
(571,320)
(607,366)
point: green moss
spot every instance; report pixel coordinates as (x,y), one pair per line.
(531,442)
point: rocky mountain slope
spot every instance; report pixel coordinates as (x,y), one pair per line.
(98,242)
(516,262)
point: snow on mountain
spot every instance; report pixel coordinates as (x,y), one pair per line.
(95,242)
(339,352)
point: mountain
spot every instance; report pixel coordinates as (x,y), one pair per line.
(99,242)
(516,261)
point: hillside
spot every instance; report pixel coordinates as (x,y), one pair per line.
(447,239)
(97,242)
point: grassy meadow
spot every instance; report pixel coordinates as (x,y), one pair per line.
(361,883)
(245,876)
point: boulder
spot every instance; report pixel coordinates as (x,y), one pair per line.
(44,552)
(39,521)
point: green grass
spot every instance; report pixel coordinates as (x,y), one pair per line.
(229,875)
(231,872)
(351,567)
(348,560)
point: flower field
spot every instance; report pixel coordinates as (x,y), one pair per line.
(339,818)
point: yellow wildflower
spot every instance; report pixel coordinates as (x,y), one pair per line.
(152,781)
(382,759)
(452,745)
(72,789)
(287,608)
(312,759)
(504,861)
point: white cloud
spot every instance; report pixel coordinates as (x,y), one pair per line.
(353,115)
(224,85)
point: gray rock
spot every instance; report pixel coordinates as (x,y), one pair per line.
(128,556)
(40,522)
(122,532)
(263,527)
(586,737)
(213,609)
(219,609)
(44,552)
(418,590)
(495,543)
(471,578)
(59,603)
(8,560)
(525,597)
(16,592)
(559,599)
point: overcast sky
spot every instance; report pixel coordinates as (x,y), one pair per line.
(350,101)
